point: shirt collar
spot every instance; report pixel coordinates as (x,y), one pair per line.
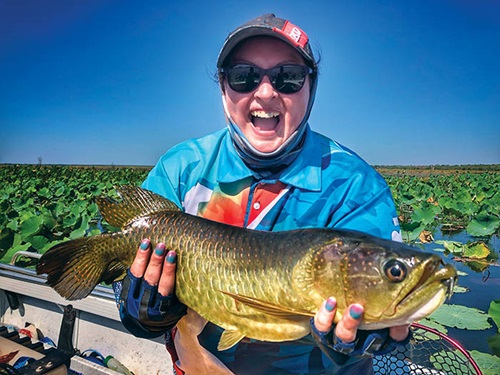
(303,173)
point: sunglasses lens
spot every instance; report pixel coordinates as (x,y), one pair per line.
(243,78)
(286,79)
(289,79)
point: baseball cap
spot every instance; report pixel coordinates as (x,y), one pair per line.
(269,25)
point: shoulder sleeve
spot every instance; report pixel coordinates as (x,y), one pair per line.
(360,198)
(171,174)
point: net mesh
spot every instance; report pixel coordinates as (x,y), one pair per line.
(428,353)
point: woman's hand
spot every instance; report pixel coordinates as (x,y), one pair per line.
(147,301)
(344,336)
(156,268)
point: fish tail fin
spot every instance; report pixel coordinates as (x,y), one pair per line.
(74,268)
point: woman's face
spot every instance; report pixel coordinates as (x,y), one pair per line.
(266,117)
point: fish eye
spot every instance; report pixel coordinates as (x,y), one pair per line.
(395,270)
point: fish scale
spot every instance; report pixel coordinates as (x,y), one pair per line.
(261,285)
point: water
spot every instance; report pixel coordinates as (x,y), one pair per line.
(484,287)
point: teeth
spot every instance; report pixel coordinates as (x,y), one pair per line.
(263,114)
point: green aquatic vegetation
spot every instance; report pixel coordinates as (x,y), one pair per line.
(459,201)
(483,224)
(461,317)
(494,312)
(489,364)
(41,206)
(472,250)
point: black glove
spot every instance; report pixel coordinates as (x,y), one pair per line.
(144,311)
(367,343)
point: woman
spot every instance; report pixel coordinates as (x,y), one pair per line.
(266,170)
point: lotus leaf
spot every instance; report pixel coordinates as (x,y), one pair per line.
(494,344)
(435,325)
(44,192)
(483,225)
(14,249)
(6,238)
(411,231)
(494,312)
(453,247)
(476,250)
(31,225)
(13,224)
(426,213)
(461,317)
(489,364)
(39,242)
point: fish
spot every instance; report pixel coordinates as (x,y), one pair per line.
(256,284)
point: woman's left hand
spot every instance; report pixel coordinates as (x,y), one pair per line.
(344,336)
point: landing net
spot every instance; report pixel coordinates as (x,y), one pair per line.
(428,353)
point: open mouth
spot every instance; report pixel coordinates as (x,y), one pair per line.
(265,120)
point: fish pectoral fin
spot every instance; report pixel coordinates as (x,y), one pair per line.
(229,339)
(116,271)
(269,308)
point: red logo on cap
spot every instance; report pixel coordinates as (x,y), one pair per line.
(294,33)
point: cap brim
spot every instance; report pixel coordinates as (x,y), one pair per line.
(253,31)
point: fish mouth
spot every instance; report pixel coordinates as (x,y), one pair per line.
(436,271)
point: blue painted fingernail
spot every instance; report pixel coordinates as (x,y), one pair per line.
(160,249)
(171,257)
(144,244)
(356,311)
(330,304)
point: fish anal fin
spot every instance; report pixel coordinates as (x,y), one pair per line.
(268,308)
(229,339)
(136,202)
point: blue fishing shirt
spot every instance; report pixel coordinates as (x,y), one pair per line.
(327,185)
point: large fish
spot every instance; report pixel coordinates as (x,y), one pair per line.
(261,285)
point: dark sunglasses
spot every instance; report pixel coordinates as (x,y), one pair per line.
(286,79)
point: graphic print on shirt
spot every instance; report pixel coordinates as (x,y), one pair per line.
(229,203)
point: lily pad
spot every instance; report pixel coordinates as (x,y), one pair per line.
(453,247)
(460,289)
(411,231)
(489,364)
(14,249)
(494,312)
(427,335)
(462,317)
(494,344)
(483,225)
(426,213)
(476,250)
(31,226)
(39,242)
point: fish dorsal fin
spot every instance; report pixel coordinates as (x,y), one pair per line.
(269,308)
(136,202)
(229,339)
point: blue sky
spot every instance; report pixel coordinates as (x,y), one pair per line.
(408,82)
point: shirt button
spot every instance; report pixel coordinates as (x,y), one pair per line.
(256,206)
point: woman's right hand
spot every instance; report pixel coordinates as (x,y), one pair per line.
(147,301)
(157,268)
